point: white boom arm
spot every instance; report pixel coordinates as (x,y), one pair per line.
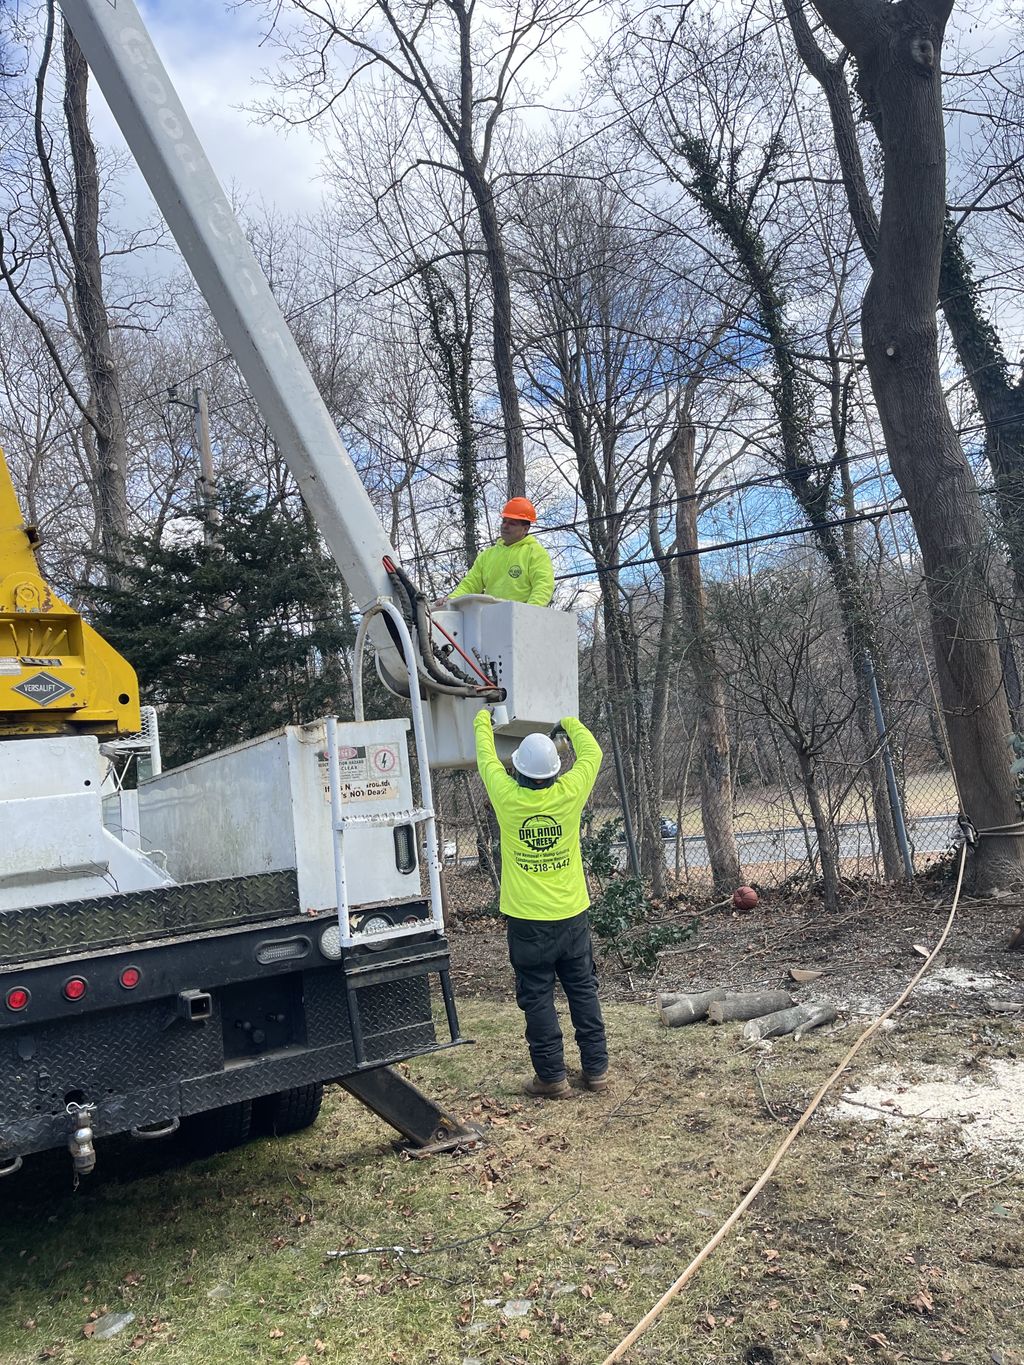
(530,653)
(142,99)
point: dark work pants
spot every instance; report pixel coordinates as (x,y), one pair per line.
(542,951)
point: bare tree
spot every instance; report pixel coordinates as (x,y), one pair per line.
(616,346)
(794,676)
(728,148)
(460,67)
(62,232)
(897,49)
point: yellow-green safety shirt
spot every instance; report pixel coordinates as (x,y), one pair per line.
(541,864)
(516,573)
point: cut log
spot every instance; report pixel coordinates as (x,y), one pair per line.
(748,1006)
(823,1014)
(675,1009)
(777,1023)
(800,1018)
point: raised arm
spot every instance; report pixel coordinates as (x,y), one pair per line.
(489,765)
(583,773)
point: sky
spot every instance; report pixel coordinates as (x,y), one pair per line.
(215,61)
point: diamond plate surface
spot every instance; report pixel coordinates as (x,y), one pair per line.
(395,1006)
(42,931)
(386,1009)
(144,1064)
(129,1062)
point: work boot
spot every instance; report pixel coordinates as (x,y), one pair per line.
(597,1083)
(547,1090)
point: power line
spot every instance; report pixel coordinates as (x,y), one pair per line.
(810,528)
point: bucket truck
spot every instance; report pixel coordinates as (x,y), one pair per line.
(213,947)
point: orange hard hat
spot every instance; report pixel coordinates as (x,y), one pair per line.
(519,509)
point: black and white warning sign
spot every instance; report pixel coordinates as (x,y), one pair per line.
(366,772)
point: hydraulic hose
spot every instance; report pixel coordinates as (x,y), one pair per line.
(439,677)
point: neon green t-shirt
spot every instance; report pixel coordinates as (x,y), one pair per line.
(541,864)
(515,573)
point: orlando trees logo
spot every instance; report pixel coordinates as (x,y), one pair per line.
(515,571)
(540,832)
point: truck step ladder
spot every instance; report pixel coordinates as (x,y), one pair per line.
(361,970)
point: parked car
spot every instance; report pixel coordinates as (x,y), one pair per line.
(669,829)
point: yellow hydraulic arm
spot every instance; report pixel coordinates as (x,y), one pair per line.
(57,676)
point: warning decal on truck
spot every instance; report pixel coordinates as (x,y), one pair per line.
(367,772)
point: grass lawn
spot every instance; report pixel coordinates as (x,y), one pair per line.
(551,1241)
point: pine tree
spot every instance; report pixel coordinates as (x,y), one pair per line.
(234,638)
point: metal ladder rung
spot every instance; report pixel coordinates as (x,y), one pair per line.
(416,816)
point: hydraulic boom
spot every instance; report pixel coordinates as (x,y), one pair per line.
(505,652)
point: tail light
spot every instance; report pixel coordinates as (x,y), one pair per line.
(75,987)
(18,998)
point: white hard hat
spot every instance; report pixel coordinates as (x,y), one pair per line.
(537,757)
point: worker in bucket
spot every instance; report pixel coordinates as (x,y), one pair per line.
(544,897)
(517,568)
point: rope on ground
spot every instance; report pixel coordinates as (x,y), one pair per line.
(787,1142)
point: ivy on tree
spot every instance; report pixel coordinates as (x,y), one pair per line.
(234,638)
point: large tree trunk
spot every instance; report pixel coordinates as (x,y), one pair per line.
(1000,400)
(897,51)
(101,366)
(716,768)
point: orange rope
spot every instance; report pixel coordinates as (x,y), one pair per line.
(787,1142)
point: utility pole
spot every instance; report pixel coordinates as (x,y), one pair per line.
(207,479)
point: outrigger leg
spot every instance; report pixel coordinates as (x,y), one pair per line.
(406,1108)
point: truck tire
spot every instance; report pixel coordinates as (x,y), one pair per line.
(218,1130)
(289,1111)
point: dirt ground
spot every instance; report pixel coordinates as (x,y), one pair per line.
(867,953)
(890,1234)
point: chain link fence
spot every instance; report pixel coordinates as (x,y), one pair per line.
(776,833)
(776,838)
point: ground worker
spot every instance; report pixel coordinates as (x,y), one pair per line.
(544,897)
(517,568)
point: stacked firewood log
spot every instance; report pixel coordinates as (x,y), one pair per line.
(767,1014)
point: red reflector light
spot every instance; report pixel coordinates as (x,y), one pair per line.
(130,978)
(17,998)
(74,988)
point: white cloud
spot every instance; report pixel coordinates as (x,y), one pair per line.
(215,63)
